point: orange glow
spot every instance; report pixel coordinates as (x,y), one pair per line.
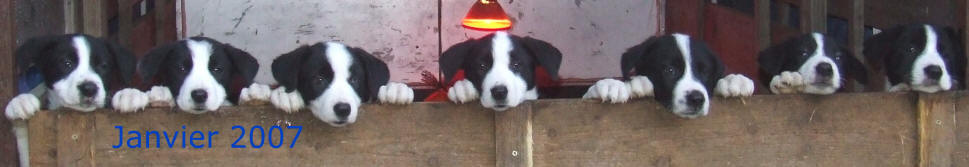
(487,24)
(486,15)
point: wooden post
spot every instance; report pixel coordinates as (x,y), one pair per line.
(814,14)
(936,129)
(513,136)
(70,16)
(8,85)
(762,16)
(856,35)
(95,21)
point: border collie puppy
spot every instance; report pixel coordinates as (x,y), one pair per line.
(77,72)
(498,68)
(920,57)
(809,64)
(200,74)
(333,80)
(679,72)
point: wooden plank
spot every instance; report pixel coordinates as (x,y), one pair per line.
(95,19)
(814,16)
(936,129)
(43,140)
(839,130)
(74,140)
(960,152)
(8,86)
(856,36)
(71,16)
(419,135)
(513,136)
(762,17)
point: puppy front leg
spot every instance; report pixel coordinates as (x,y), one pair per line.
(395,93)
(289,102)
(254,94)
(129,100)
(160,96)
(609,90)
(462,92)
(22,107)
(787,82)
(735,85)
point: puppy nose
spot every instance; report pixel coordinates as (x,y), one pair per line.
(499,92)
(88,89)
(824,69)
(933,72)
(199,96)
(342,110)
(695,98)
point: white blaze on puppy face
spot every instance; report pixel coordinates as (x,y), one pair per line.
(66,91)
(200,78)
(688,83)
(929,57)
(501,74)
(339,90)
(808,70)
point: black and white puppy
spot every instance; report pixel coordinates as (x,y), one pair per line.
(333,80)
(809,64)
(920,57)
(77,72)
(679,72)
(197,75)
(499,66)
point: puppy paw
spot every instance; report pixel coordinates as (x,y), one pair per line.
(735,85)
(900,88)
(609,90)
(640,86)
(289,102)
(23,106)
(255,94)
(129,100)
(787,83)
(160,96)
(396,93)
(462,92)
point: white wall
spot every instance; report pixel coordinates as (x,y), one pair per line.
(591,33)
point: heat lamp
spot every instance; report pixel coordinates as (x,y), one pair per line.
(486,15)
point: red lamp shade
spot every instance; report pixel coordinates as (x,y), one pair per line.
(487,15)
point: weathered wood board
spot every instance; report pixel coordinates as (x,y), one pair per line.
(960,153)
(421,135)
(843,130)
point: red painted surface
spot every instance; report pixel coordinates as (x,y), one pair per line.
(732,35)
(682,16)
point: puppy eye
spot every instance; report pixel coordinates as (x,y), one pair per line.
(181,68)
(911,49)
(353,81)
(669,70)
(217,69)
(515,65)
(68,63)
(483,67)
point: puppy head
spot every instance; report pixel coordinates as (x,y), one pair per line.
(77,68)
(682,71)
(501,67)
(332,78)
(199,71)
(822,63)
(922,56)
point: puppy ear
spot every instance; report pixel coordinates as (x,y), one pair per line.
(150,63)
(633,56)
(286,67)
(453,58)
(245,65)
(377,72)
(771,61)
(955,55)
(880,45)
(547,55)
(124,61)
(28,53)
(854,67)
